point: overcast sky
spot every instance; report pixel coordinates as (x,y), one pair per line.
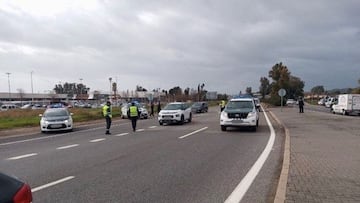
(227,45)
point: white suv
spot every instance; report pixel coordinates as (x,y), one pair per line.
(176,112)
(239,112)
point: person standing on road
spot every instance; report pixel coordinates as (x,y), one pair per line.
(301,105)
(158,107)
(133,114)
(222,105)
(152,109)
(107,114)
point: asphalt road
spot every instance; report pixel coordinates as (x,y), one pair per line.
(194,162)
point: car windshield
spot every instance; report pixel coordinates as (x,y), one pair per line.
(55,113)
(197,104)
(239,104)
(173,107)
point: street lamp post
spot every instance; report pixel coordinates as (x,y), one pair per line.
(110,88)
(81,86)
(9,85)
(32,89)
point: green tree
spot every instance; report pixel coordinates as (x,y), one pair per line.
(282,78)
(356,90)
(71,88)
(318,90)
(265,87)
(296,87)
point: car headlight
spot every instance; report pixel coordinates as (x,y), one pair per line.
(224,114)
(251,114)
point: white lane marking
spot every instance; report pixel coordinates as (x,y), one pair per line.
(97,140)
(196,131)
(22,156)
(29,140)
(154,126)
(53,136)
(52,183)
(121,134)
(140,130)
(243,186)
(68,146)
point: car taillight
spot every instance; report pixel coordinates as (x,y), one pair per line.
(24,195)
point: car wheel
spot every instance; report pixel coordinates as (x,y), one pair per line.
(161,123)
(223,128)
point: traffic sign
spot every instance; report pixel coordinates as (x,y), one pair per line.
(282,92)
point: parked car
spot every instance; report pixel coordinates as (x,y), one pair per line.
(290,102)
(239,112)
(321,101)
(200,107)
(144,114)
(14,190)
(26,106)
(56,119)
(331,101)
(176,112)
(6,107)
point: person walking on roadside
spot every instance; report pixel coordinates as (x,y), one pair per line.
(133,114)
(301,105)
(107,114)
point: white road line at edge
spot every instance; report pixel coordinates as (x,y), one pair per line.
(97,140)
(22,156)
(151,127)
(52,184)
(196,131)
(243,186)
(68,146)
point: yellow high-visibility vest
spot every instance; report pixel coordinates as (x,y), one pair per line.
(107,111)
(133,111)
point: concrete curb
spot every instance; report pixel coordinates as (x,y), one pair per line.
(280,196)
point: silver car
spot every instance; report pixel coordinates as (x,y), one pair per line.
(56,119)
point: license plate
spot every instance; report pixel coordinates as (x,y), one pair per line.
(237,121)
(56,126)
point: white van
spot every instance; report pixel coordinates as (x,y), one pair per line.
(6,107)
(347,104)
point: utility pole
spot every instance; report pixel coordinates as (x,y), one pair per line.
(9,85)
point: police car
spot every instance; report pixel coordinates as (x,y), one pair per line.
(238,112)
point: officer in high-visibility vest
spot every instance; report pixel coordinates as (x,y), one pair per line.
(222,105)
(107,114)
(133,114)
